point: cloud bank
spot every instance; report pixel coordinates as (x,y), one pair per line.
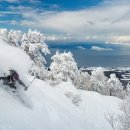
(97,48)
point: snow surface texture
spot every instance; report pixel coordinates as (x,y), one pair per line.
(50,108)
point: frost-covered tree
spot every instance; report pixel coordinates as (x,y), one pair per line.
(116,88)
(99,81)
(63,64)
(82,80)
(11,37)
(128,89)
(33,43)
(3,34)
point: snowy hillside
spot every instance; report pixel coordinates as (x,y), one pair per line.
(62,107)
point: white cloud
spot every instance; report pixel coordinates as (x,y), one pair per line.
(12,22)
(81,47)
(54,6)
(8,12)
(15,1)
(10,1)
(120,39)
(97,48)
(103,22)
(109,22)
(59,37)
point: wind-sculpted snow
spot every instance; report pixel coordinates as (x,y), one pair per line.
(52,108)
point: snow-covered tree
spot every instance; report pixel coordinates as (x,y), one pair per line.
(11,37)
(128,89)
(63,64)
(99,81)
(82,80)
(33,43)
(3,34)
(116,88)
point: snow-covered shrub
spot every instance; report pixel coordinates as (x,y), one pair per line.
(113,120)
(125,118)
(122,120)
(82,80)
(63,66)
(39,72)
(99,82)
(116,88)
(33,43)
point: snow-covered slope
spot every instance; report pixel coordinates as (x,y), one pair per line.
(13,58)
(49,108)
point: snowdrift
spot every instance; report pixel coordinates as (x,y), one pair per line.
(53,108)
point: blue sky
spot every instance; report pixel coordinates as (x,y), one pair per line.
(51,5)
(105,21)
